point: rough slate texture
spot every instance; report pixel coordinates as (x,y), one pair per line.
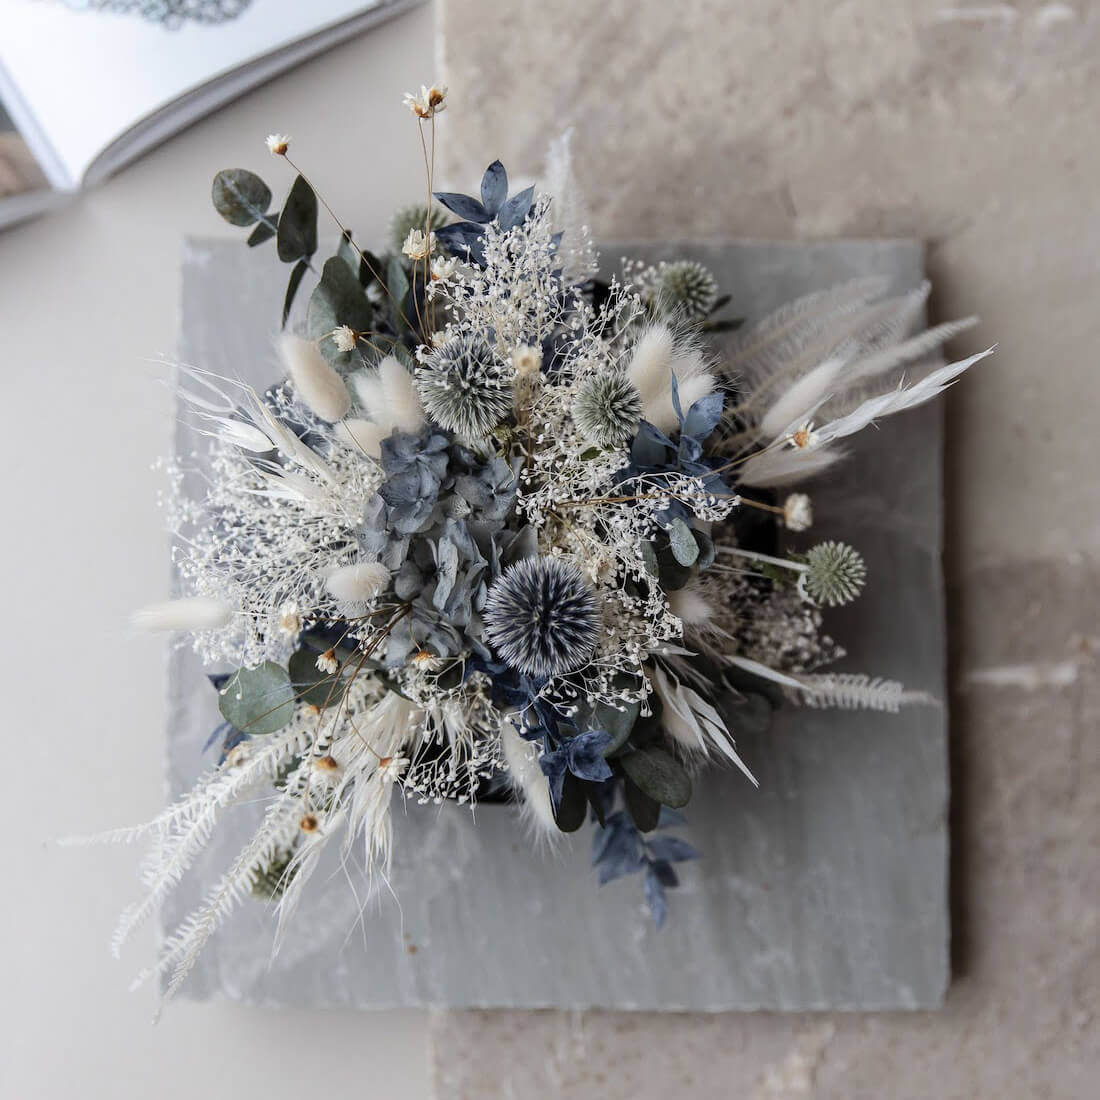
(825,889)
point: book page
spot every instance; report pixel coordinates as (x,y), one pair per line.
(82,78)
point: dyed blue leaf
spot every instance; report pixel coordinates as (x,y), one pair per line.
(672,849)
(702,418)
(516,209)
(650,446)
(465,206)
(464,240)
(582,755)
(494,188)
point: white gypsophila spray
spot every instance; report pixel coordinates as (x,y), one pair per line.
(270,530)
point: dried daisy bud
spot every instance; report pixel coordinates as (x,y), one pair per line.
(425,660)
(413,217)
(277,144)
(527,361)
(417,246)
(607,410)
(803,437)
(428,102)
(290,621)
(391,767)
(798,514)
(309,823)
(327,764)
(345,338)
(327,663)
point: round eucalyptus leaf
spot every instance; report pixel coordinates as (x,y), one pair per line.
(257,700)
(644,811)
(684,547)
(240,196)
(659,775)
(297,235)
(338,299)
(618,723)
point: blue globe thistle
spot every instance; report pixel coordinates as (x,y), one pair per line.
(464,388)
(607,410)
(541,617)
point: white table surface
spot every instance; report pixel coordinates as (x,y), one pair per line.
(87,296)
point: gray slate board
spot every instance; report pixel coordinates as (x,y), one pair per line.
(825,889)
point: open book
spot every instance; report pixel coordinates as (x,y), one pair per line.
(85,90)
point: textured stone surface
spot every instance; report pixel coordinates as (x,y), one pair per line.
(1020,1018)
(966,125)
(800,901)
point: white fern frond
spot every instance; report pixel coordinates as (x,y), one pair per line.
(192,825)
(181,949)
(857,691)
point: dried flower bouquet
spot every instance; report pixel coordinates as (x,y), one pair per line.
(506,530)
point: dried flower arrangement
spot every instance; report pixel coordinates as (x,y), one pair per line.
(507,530)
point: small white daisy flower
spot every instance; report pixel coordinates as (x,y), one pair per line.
(417,246)
(345,338)
(444,268)
(327,663)
(277,144)
(425,660)
(290,621)
(391,767)
(428,102)
(803,436)
(798,513)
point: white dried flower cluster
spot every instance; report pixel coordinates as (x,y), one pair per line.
(503,535)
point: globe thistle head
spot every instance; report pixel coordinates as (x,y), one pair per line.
(687,288)
(541,617)
(413,217)
(607,410)
(835,574)
(464,388)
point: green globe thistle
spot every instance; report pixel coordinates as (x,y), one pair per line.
(413,217)
(835,574)
(464,389)
(607,410)
(687,288)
